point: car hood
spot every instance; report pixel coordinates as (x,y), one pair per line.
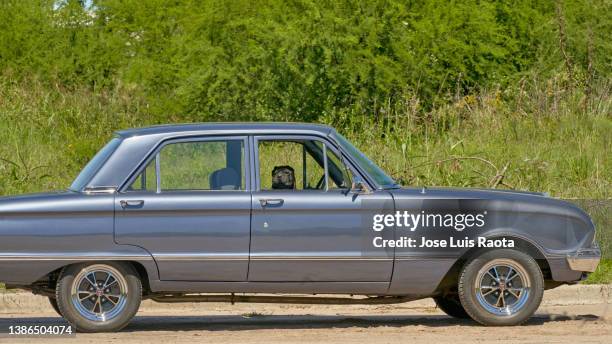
(510,200)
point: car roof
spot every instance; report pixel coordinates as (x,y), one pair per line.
(228,126)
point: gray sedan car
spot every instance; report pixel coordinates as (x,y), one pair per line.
(245,212)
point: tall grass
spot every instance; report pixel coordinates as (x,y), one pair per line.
(539,139)
(543,139)
(49,133)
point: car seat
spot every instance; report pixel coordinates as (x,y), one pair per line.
(224,179)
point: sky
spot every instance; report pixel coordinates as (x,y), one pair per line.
(59,3)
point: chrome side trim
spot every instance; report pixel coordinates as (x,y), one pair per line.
(206,257)
(221,257)
(17,258)
(309,258)
(423,258)
(199,257)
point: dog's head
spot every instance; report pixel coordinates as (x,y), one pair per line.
(283,177)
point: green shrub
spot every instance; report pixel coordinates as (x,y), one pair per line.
(303,60)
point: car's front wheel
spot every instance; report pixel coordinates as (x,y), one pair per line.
(501,287)
(99,297)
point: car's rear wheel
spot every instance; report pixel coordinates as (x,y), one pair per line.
(53,303)
(99,297)
(451,305)
(501,287)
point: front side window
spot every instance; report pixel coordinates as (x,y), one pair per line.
(300,165)
(291,165)
(195,165)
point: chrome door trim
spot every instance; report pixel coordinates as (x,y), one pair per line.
(67,257)
(200,257)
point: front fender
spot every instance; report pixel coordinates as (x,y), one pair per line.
(555,228)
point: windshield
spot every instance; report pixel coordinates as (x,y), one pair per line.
(94,165)
(380,177)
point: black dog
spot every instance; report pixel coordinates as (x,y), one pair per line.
(283,177)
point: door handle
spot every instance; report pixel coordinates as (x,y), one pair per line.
(131,203)
(276,202)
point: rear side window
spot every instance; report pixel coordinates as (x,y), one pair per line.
(195,165)
(147,180)
(94,164)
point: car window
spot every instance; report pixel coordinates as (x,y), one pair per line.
(94,165)
(340,176)
(197,165)
(147,180)
(291,165)
(371,168)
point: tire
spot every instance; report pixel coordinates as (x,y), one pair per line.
(53,303)
(508,299)
(106,307)
(451,305)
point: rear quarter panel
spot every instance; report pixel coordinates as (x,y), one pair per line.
(44,232)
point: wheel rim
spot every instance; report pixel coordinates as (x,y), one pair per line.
(502,287)
(99,293)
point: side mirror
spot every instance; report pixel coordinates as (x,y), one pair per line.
(359,186)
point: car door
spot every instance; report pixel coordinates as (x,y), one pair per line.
(190,208)
(310,227)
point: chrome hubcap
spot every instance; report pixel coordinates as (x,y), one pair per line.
(99,293)
(502,287)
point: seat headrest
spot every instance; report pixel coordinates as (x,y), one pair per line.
(224,179)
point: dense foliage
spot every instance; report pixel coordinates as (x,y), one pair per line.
(302,60)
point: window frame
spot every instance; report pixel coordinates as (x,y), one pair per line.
(343,164)
(155,155)
(327,145)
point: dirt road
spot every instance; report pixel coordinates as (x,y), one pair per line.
(414,322)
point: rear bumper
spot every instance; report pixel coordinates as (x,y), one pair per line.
(585,259)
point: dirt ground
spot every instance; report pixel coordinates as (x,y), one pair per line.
(414,322)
